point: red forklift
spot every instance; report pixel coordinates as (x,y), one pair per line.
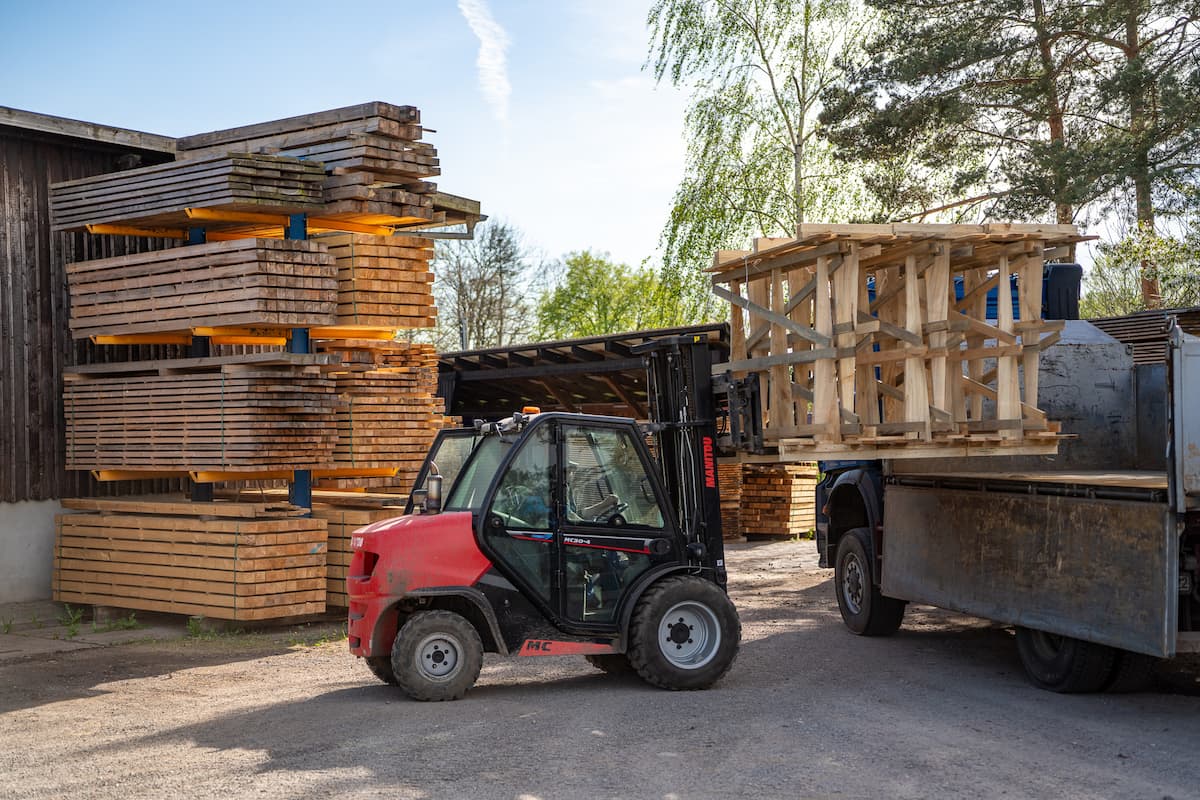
(563,534)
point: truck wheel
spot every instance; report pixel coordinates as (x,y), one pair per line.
(1063,664)
(381,666)
(612,663)
(437,655)
(684,633)
(864,610)
(1132,672)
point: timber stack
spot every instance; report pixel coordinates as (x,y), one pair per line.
(778,500)
(874,341)
(308,228)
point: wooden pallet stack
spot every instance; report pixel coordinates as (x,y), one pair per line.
(239,561)
(778,500)
(873,341)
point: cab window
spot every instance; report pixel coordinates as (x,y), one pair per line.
(606,480)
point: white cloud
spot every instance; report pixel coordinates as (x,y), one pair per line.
(492,60)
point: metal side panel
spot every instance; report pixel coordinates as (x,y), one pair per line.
(1099,570)
(1185,390)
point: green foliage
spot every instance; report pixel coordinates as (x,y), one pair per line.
(597,296)
(128,623)
(6,626)
(70,619)
(1113,286)
(756,161)
(1061,104)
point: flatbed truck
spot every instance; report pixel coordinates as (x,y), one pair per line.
(1092,554)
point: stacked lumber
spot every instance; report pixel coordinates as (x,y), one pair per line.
(248,282)
(372,154)
(390,415)
(1148,332)
(160,196)
(778,500)
(343,517)
(729,486)
(866,351)
(233,561)
(383,281)
(235,413)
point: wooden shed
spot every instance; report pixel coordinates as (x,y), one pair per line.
(35,151)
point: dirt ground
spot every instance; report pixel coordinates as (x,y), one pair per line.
(809,710)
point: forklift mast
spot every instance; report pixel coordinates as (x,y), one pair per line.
(684,409)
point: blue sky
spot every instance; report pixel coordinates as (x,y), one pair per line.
(582,152)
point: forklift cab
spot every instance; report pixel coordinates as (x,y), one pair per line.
(569,508)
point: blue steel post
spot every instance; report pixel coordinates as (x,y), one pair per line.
(201,492)
(300,490)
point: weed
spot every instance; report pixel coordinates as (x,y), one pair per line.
(70,619)
(37,622)
(196,628)
(128,623)
(6,625)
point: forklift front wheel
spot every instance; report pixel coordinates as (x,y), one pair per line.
(684,634)
(437,655)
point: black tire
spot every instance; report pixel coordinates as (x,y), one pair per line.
(381,667)
(1131,672)
(437,656)
(1063,664)
(864,610)
(612,663)
(684,634)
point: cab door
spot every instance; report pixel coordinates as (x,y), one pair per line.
(613,527)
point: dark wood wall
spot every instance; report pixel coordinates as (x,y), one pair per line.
(35,342)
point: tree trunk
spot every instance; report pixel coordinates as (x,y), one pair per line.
(1064,213)
(1139,169)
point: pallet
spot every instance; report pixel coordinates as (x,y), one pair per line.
(202,558)
(865,350)
(262,282)
(159,196)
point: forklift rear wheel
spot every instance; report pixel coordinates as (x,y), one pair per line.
(437,655)
(612,663)
(1063,664)
(684,633)
(864,609)
(381,667)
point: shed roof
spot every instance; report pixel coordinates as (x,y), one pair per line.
(86,131)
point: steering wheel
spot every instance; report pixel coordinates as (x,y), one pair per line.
(511,497)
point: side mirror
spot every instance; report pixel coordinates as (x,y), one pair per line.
(433,494)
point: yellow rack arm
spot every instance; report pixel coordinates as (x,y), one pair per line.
(135,475)
(143,338)
(129,230)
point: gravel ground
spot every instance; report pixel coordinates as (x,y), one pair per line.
(940,710)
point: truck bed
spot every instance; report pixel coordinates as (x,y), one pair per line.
(1129,479)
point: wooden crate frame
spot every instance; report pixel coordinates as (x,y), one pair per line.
(913,371)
